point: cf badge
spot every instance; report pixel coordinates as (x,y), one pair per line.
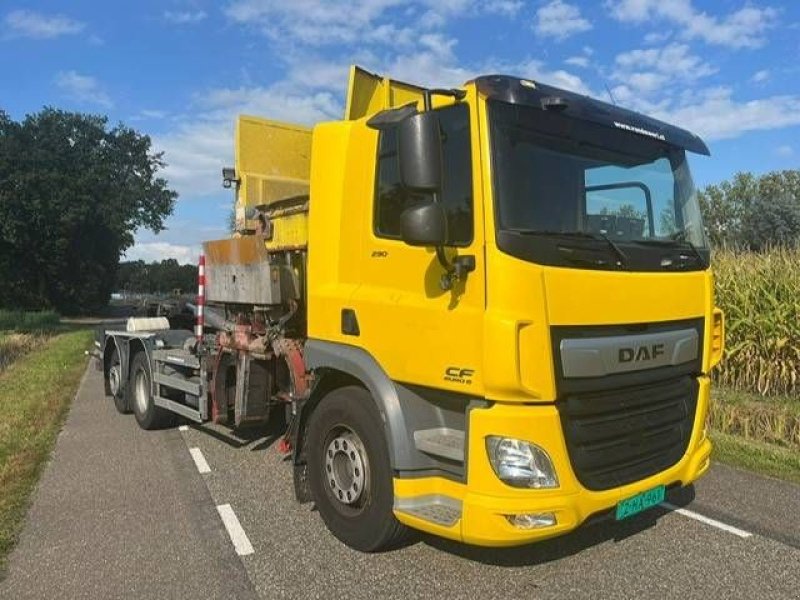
(459,375)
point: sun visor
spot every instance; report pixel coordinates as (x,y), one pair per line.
(577,106)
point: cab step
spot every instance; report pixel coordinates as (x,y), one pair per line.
(435,508)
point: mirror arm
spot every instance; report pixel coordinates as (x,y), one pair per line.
(458,270)
(428,94)
(446,264)
(449,269)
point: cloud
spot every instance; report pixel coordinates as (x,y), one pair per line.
(312,22)
(149,114)
(433,64)
(508,8)
(656,71)
(158,251)
(83,88)
(560,20)
(657,37)
(784,151)
(716,115)
(743,28)
(761,76)
(186,17)
(31,24)
(578,61)
(326,23)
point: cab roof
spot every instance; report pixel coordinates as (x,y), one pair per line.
(369,94)
(514,90)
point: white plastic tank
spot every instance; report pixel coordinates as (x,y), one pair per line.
(135,324)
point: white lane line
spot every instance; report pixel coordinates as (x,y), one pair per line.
(241,543)
(199,460)
(708,521)
(183,428)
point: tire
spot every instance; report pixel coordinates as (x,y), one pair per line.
(115,381)
(140,397)
(349,471)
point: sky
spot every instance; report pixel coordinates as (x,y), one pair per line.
(181,70)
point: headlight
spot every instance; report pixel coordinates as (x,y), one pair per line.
(520,464)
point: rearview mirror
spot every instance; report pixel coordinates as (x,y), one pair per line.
(420,152)
(424,225)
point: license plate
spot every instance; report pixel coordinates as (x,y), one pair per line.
(640,502)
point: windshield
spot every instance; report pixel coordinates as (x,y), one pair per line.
(624,194)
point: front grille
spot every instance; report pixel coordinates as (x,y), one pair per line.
(615,437)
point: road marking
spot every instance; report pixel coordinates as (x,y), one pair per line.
(708,521)
(239,538)
(200,460)
(183,428)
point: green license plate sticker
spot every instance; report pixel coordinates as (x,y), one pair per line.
(640,502)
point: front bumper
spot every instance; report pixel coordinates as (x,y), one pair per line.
(485,500)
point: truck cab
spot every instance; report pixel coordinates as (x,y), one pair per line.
(520,277)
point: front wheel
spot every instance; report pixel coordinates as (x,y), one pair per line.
(349,471)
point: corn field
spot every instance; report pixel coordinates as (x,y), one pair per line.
(760,294)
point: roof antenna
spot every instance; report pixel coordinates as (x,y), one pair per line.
(610,95)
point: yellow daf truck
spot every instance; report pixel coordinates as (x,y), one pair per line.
(486,312)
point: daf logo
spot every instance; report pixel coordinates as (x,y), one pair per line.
(641,353)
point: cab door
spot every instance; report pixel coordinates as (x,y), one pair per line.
(419,332)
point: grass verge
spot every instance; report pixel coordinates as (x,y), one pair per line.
(766,459)
(35,394)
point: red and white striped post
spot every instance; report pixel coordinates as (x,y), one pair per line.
(201,298)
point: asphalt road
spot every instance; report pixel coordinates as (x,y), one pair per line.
(125,513)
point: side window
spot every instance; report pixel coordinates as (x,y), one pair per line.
(391,198)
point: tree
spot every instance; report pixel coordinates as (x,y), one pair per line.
(72,193)
(753,212)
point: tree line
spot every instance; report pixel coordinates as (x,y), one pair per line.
(156,277)
(753,212)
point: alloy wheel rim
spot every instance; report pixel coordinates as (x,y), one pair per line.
(142,393)
(346,467)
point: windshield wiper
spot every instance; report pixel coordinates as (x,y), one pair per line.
(677,240)
(622,258)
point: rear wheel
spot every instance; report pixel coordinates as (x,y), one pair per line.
(148,415)
(115,385)
(349,471)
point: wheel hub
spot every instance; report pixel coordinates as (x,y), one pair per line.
(114,379)
(345,467)
(142,394)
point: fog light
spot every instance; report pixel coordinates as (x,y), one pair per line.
(520,464)
(532,520)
